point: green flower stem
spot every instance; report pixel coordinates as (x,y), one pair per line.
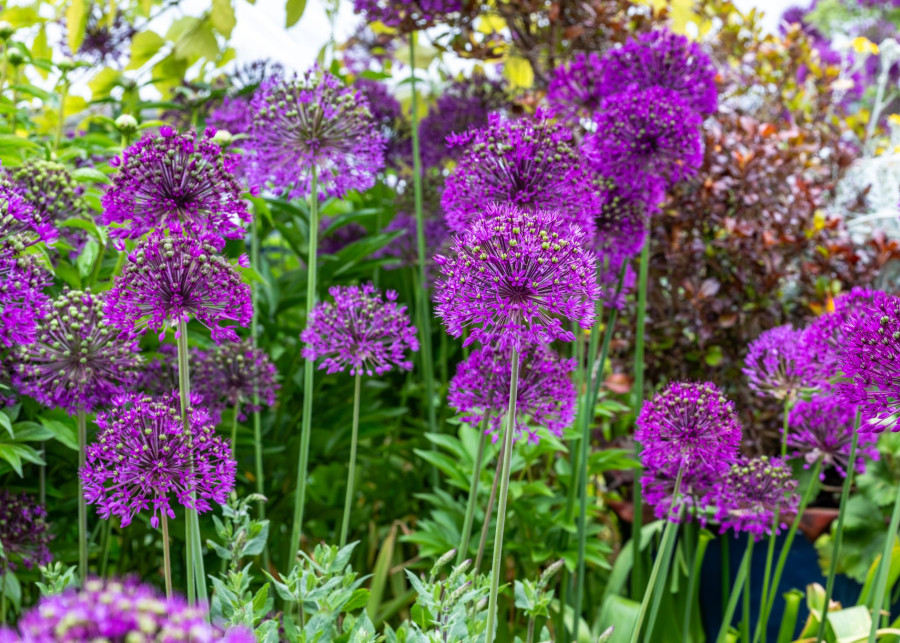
(497,562)
(234,427)
(82,505)
(884,568)
(167,559)
(473,494)
(104,547)
(726,572)
(351,474)
(839,530)
(257,419)
(742,575)
(63,94)
(745,608)
(637,572)
(659,574)
(3,598)
(785,426)
(98,262)
(489,510)
(308,371)
(699,544)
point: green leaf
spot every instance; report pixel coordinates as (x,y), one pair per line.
(144,46)
(31,432)
(76,22)
(294,10)
(621,613)
(222,17)
(358,600)
(382,571)
(85,261)
(62,432)
(103,83)
(89,175)
(6,424)
(196,43)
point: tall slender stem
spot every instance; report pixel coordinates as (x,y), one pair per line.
(257,419)
(167,558)
(104,556)
(3,598)
(63,94)
(839,529)
(745,607)
(473,494)
(351,474)
(308,370)
(726,572)
(489,511)
(742,574)
(234,427)
(884,567)
(497,563)
(637,572)
(698,546)
(785,425)
(82,505)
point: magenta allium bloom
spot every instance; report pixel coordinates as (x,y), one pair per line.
(646,138)
(118,611)
(234,115)
(24,537)
(167,280)
(546,394)
(826,334)
(22,298)
(514,276)
(143,459)
(688,426)
(621,219)
(783,361)
(747,497)
(180,183)
(666,60)
(408,15)
(313,122)
(77,362)
(576,87)
(230,375)
(22,224)
(822,429)
(361,331)
(694,495)
(529,162)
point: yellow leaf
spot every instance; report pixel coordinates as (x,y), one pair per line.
(144,46)
(40,50)
(489,24)
(294,11)
(518,72)
(74,105)
(76,22)
(379,28)
(222,17)
(20,16)
(103,82)
(818,220)
(424,55)
(894,119)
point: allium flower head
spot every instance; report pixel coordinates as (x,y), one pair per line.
(408,15)
(826,334)
(688,426)
(120,611)
(360,330)
(22,224)
(233,115)
(313,122)
(822,429)
(248,77)
(621,220)
(167,280)
(546,394)
(781,362)
(180,183)
(695,494)
(24,537)
(529,162)
(52,190)
(747,497)
(232,374)
(646,138)
(78,361)
(576,87)
(144,459)
(22,300)
(514,276)
(106,40)
(388,117)
(667,60)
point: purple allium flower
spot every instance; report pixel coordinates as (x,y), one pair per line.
(77,362)
(546,393)
(822,428)
(360,331)
(119,611)
(783,361)
(167,280)
(621,220)
(747,497)
(826,334)
(234,115)
(576,88)
(180,183)
(645,138)
(143,458)
(106,41)
(24,538)
(22,224)
(365,49)
(249,76)
(405,247)
(665,60)
(230,375)
(22,300)
(694,495)
(388,117)
(529,162)
(313,122)
(408,15)
(689,427)
(514,276)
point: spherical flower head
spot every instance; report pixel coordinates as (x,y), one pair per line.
(408,15)
(77,362)
(695,493)
(666,60)
(106,39)
(234,115)
(52,190)
(22,300)
(24,537)
(649,137)
(514,277)
(781,362)
(747,497)
(144,459)
(235,375)
(576,87)
(181,183)
(529,162)
(688,426)
(621,219)
(826,334)
(361,330)
(22,223)
(168,280)
(822,429)
(313,123)
(546,393)
(119,611)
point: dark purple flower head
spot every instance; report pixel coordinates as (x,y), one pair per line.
(783,361)
(24,537)
(167,280)
(688,427)
(405,247)
(529,162)
(233,115)
(665,60)
(514,277)
(22,223)
(747,497)
(645,138)
(248,77)
(180,183)
(78,362)
(366,49)
(143,459)
(388,117)
(361,330)
(106,39)
(822,429)
(120,611)
(408,15)
(22,299)
(826,334)
(234,375)
(621,220)
(694,495)
(546,394)
(313,122)
(577,88)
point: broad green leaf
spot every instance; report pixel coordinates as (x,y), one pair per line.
(167,73)
(144,46)
(62,432)
(86,258)
(76,22)
(294,10)
(103,82)
(40,49)
(222,17)
(197,43)
(6,424)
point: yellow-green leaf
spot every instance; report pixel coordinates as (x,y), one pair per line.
(294,10)
(167,73)
(197,43)
(222,17)
(518,72)
(181,26)
(20,16)
(76,22)
(144,46)
(424,55)
(40,50)
(103,82)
